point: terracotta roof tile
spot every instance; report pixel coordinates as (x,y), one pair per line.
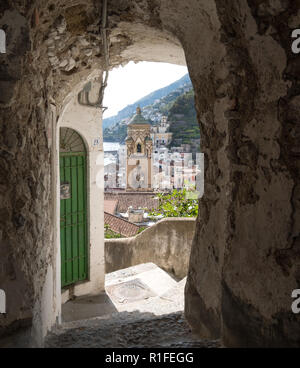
(120,226)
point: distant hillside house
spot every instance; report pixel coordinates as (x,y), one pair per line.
(160,134)
(119,201)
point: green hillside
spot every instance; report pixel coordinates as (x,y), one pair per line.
(153,112)
(146,101)
(117,134)
(179,106)
(183,118)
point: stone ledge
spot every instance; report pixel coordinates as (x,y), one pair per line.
(167,244)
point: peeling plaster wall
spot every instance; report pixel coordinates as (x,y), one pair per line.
(245,253)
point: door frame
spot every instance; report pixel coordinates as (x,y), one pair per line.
(87,122)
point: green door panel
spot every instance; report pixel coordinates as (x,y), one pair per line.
(73,208)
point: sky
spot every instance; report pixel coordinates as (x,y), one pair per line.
(128,84)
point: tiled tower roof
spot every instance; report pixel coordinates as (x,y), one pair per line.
(138,118)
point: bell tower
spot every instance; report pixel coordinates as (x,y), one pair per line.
(139,154)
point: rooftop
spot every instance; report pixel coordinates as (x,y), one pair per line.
(135,199)
(120,226)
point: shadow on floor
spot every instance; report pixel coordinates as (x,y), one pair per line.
(87,307)
(128,330)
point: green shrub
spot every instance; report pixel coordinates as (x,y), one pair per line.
(109,234)
(176,204)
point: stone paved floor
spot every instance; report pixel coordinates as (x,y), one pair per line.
(145,309)
(129,330)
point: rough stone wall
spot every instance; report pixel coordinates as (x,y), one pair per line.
(256,261)
(265,229)
(25,195)
(39,70)
(166,244)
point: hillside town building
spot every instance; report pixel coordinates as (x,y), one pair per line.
(160,134)
(173,168)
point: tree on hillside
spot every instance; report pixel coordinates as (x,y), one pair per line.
(185,128)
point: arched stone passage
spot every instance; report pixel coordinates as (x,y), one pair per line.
(245,257)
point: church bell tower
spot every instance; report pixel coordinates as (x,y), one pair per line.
(139,154)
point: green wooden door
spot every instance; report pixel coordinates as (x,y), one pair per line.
(73,208)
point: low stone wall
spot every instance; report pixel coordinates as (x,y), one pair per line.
(167,244)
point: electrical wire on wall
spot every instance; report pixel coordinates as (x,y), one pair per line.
(83,96)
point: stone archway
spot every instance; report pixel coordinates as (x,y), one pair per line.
(247,98)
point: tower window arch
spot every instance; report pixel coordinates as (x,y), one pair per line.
(139,148)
